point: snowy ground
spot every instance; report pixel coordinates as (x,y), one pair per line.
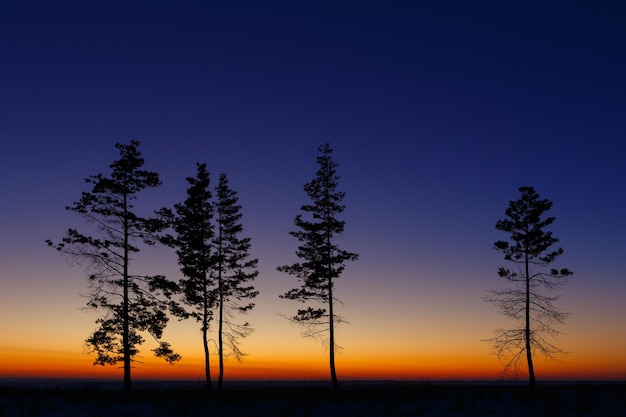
(308,400)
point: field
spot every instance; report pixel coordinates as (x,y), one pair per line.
(309,399)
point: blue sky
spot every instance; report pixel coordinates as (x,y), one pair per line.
(437,111)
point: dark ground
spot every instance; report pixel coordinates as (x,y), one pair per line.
(311,399)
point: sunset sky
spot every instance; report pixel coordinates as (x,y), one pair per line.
(437,112)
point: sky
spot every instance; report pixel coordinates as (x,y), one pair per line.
(437,113)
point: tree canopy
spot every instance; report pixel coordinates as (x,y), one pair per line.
(322,261)
(132,303)
(529,248)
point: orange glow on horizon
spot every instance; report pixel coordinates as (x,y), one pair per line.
(25,364)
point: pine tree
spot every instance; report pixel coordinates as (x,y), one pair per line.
(321,259)
(215,263)
(529,248)
(194,247)
(234,269)
(132,303)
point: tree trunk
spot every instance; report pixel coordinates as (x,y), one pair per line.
(207,367)
(220,334)
(205,340)
(220,289)
(125,308)
(529,357)
(333,373)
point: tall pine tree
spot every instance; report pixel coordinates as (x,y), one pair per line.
(193,225)
(132,303)
(321,259)
(234,270)
(529,249)
(215,262)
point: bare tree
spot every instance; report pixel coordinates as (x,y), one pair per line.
(322,260)
(529,249)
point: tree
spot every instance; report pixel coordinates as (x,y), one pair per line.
(193,242)
(529,248)
(321,259)
(234,269)
(215,262)
(132,303)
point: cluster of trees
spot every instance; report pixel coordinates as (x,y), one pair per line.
(205,230)
(217,270)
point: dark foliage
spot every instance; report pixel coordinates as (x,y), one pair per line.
(322,261)
(215,262)
(529,248)
(235,269)
(131,303)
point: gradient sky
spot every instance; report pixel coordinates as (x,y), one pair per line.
(437,111)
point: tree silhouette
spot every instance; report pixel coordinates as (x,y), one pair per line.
(215,263)
(132,303)
(234,269)
(194,230)
(529,248)
(321,259)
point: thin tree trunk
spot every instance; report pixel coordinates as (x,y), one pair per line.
(529,357)
(220,333)
(205,340)
(125,308)
(331,312)
(220,289)
(207,367)
(333,373)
